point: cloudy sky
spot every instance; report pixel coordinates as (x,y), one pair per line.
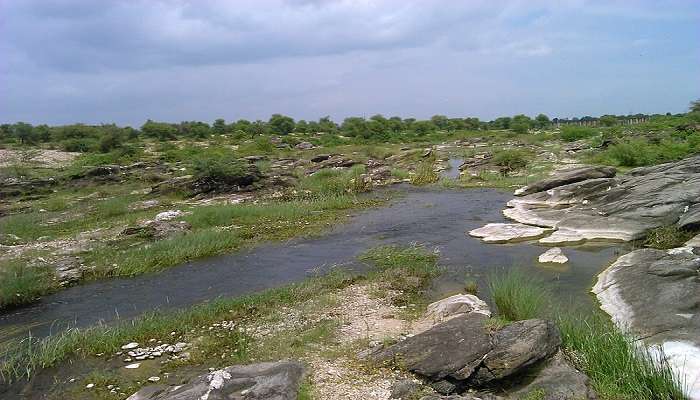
(93,61)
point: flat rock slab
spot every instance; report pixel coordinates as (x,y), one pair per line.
(554,255)
(456,305)
(622,208)
(264,381)
(507,233)
(656,294)
(557,380)
(694,242)
(567,176)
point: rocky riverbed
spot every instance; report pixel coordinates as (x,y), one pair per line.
(655,294)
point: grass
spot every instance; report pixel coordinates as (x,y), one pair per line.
(517,296)
(511,160)
(328,183)
(668,237)
(618,367)
(21,283)
(425,173)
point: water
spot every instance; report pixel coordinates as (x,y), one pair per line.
(434,217)
(452,172)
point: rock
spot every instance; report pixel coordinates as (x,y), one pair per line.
(268,381)
(465,396)
(427,153)
(456,305)
(576,146)
(656,295)
(567,176)
(305,146)
(443,387)
(557,380)
(694,242)
(9,239)
(505,233)
(130,346)
(102,170)
(169,215)
(690,218)
(553,255)
(68,269)
(133,366)
(403,389)
(451,349)
(144,205)
(320,157)
(255,158)
(516,347)
(623,208)
(157,229)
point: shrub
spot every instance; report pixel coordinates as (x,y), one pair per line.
(511,160)
(425,173)
(573,133)
(668,237)
(218,166)
(633,153)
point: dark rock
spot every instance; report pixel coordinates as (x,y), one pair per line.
(566,177)
(68,269)
(305,146)
(403,389)
(444,386)
(516,347)
(451,349)
(264,381)
(102,170)
(157,229)
(690,219)
(320,157)
(556,380)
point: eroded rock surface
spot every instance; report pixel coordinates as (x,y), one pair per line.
(505,233)
(264,381)
(553,255)
(598,206)
(656,294)
(567,176)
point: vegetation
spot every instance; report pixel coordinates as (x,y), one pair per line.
(617,366)
(668,237)
(21,283)
(511,160)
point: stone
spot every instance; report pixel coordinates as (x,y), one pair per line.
(508,233)
(690,219)
(452,306)
(516,347)
(169,215)
(102,170)
(567,176)
(557,380)
(553,255)
(622,208)
(157,229)
(404,389)
(305,146)
(130,346)
(656,295)
(263,381)
(450,349)
(133,366)
(694,242)
(443,386)
(320,157)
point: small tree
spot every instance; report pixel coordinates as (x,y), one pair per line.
(520,123)
(281,124)
(541,121)
(695,106)
(608,120)
(219,126)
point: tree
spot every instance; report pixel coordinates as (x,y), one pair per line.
(219,126)
(541,121)
(378,125)
(695,106)
(259,128)
(24,132)
(301,126)
(281,124)
(355,127)
(160,130)
(520,123)
(325,124)
(608,120)
(423,127)
(396,125)
(440,121)
(471,124)
(502,123)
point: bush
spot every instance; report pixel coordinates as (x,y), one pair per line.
(511,160)
(573,133)
(668,237)
(218,166)
(633,153)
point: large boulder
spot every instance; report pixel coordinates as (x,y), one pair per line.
(264,381)
(623,208)
(567,176)
(556,379)
(656,295)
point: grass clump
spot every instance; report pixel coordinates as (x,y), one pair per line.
(668,237)
(618,366)
(518,296)
(219,166)
(425,173)
(511,160)
(327,183)
(573,133)
(21,283)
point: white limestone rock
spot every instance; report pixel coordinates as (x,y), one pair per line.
(507,233)
(553,255)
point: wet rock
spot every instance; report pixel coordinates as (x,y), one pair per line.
(264,381)
(455,305)
(656,294)
(567,176)
(505,233)
(516,347)
(478,160)
(555,380)
(553,255)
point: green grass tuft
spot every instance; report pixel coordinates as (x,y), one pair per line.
(21,283)
(518,296)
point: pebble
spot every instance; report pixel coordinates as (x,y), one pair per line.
(133,366)
(89,386)
(153,379)
(130,346)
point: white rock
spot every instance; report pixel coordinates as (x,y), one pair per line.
(456,305)
(694,242)
(130,346)
(153,379)
(553,255)
(503,233)
(168,215)
(133,366)
(89,386)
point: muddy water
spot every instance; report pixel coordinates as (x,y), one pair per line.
(434,217)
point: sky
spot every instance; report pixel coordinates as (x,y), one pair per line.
(109,61)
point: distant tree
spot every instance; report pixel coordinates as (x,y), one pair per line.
(355,127)
(112,139)
(608,120)
(301,126)
(520,123)
(471,123)
(455,124)
(325,124)
(243,125)
(42,133)
(423,127)
(541,121)
(160,130)
(695,106)
(408,123)
(259,128)
(314,127)
(24,132)
(219,127)
(440,121)
(502,123)
(378,126)
(281,124)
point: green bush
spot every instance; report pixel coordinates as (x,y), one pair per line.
(511,160)
(572,133)
(633,153)
(218,166)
